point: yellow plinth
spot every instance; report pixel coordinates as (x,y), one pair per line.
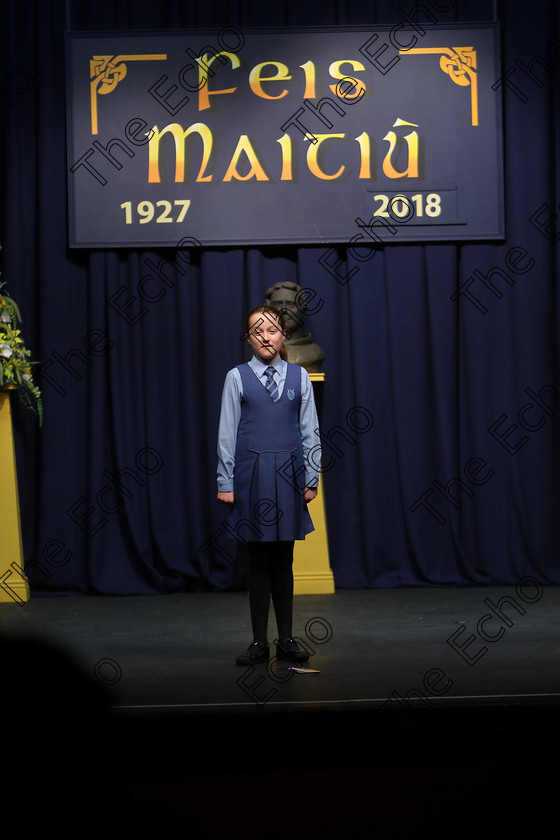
(312,571)
(14,588)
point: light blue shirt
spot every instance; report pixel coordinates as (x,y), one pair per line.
(231,413)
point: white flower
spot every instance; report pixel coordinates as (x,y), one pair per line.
(5,350)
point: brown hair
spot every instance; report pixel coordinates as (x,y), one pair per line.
(277,315)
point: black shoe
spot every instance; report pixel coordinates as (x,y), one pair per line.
(257,652)
(289,651)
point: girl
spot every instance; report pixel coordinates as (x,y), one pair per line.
(268,425)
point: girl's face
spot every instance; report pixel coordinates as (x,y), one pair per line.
(265,336)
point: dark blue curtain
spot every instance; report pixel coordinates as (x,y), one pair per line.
(451,350)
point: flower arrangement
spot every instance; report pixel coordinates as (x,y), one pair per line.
(15,367)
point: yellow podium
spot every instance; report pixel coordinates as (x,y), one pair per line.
(312,571)
(14,588)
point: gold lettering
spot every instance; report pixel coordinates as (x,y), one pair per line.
(179,136)
(395,142)
(344,91)
(309,70)
(313,162)
(364,143)
(256,171)
(286,146)
(204,93)
(255,78)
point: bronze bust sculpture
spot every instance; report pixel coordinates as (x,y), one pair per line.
(290,299)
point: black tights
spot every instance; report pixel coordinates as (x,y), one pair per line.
(270,573)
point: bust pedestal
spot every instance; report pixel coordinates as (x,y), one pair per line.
(312,571)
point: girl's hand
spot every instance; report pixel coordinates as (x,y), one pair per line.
(226,497)
(309,493)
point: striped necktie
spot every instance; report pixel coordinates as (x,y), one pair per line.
(271,385)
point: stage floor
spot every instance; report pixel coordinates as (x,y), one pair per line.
(405,648)
(398,735)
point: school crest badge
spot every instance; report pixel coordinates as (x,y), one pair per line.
(291,393)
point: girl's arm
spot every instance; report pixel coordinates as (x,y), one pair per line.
(227,435)
(311,442)
(228,497)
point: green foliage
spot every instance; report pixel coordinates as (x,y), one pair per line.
(15,366)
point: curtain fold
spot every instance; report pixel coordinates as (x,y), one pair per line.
(423,486)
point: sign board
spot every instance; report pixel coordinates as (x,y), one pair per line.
(237,137)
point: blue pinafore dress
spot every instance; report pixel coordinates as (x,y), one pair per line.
(269,476)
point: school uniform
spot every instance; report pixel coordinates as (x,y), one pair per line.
(268,452)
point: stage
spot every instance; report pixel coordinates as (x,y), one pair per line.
(411,697)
